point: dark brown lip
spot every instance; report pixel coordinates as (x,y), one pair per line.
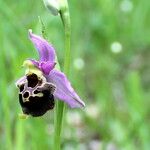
(36,96)
(37,106)
(32,80)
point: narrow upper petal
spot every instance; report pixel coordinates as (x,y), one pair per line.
(35,62)
(46,51)
(64,91)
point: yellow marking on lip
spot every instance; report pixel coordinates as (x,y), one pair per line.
(23,116)
(31,68)
(25,99)
(39,94)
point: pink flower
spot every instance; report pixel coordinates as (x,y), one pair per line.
(42,83)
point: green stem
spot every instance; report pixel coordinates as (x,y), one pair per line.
(60,106)
(67,28)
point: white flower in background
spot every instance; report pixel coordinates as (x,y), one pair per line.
(126,6)
(53,6)
(116,47)
(92,110)
(74,118)
(78,63)
(95,145)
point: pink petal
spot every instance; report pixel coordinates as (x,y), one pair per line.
(64,91)
(46,67)
(46,51)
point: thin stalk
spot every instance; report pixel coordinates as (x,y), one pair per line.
(60,106)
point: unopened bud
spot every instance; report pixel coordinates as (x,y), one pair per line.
(53,6)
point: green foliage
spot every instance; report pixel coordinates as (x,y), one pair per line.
(114,86)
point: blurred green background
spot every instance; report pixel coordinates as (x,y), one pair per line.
(110,69)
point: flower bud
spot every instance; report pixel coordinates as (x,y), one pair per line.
(53,6)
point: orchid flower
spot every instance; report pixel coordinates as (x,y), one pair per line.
(43,83)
